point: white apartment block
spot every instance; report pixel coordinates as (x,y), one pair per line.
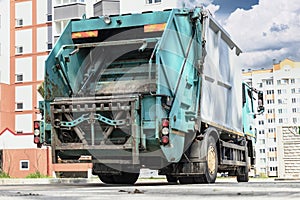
(138,6)
(4,41)
(281,87)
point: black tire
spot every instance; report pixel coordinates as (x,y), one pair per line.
(211,164)
(126,178)
(108,179)
(171,179)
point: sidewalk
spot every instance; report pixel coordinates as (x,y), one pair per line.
(28,181)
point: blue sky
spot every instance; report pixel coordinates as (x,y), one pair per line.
(265,30)
(229,6)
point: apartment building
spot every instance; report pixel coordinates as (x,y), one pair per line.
(289,154)
(26,39)
(138,6)
(30,43)
(281,86)
(23,24)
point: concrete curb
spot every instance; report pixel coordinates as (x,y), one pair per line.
(28,181)
(32,181)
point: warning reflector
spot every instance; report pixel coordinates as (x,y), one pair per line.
(154,27)
(85,34)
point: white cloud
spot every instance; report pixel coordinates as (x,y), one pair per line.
(270,30)
(213,9)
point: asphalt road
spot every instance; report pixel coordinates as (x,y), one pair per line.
(225,189)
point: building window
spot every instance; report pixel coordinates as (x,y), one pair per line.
(49,45)
(293,90)
(271,120)
(49,17)
(273,169)
(19,22)
(270,91)
(280,110)
(270,111)
(19,77)
(269,82)
(293,100)
(19,106)
(273,159)
(281,91)
(292,80)
(260,85)
(24,164)
(271,130)
(262,160)
(294,120)
(262,151)
(262,141)
(19,49)
(152,1)
(272,149)
(282,82)
(283,120)
(261,132)
(270,101)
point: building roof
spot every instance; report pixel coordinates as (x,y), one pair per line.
(11,140)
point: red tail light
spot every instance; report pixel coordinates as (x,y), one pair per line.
(36,125)
(165,140)
(36,140)
(165,123)
(36,132)
(165,132)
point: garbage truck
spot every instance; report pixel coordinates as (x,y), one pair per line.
(159,90)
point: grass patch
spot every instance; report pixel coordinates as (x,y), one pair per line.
(4,175)
(36,175)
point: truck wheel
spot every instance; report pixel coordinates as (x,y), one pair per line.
(211,165)
(108,179)
(171,179)
(126,178)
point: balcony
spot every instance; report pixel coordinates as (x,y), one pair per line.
(69,11)
(107,7)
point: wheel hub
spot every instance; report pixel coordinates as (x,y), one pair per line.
(211,160)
